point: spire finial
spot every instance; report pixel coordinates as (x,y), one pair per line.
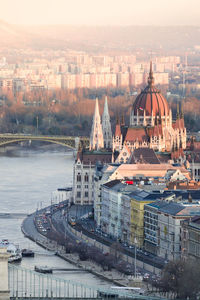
(122,119)
(151,78)
(177,111)
(117,120)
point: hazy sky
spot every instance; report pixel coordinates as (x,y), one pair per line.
(101,12)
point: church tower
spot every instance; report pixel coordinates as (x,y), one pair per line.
(106,126)
(96,136)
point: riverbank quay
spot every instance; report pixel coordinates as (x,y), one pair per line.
(30,231)
(153,265)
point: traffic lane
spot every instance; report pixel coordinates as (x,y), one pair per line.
(145,257)
(79,211)
(150,259)
(31,230)
(61,224)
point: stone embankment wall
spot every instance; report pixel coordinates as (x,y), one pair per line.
(104,248)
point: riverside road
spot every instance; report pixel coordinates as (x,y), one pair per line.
(60,224)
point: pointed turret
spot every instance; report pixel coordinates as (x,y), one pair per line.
(106,126)
(96,136)
(151,78)
(182,113)
(177,112)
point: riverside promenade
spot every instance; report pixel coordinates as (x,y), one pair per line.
(30,231)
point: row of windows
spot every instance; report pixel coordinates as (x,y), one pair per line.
(197,172)
(78,195)
(86,178)
(84,202)
(79,186)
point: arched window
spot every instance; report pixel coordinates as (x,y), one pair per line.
(86,177)
(79,177)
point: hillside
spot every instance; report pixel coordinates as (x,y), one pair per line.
(99,38)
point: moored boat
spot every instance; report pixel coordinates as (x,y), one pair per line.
(13,250)
(27,253)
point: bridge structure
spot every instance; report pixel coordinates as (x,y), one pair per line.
(28,284)
(68,141)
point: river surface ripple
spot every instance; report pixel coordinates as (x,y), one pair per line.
(28,179)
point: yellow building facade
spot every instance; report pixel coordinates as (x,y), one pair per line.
(137,221)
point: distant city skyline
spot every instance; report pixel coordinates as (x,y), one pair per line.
(104,12)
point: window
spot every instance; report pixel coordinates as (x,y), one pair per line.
(86,194)
(86,177)
(79,177)
(78,186)
(78,194)
(86,186)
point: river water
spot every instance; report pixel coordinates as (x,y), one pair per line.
(28,180)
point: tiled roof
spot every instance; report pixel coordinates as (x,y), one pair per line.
(151,101)
(136,134)
(163,156)
(195,220)
(145,156)
(92,157)
(112,183)
(172,208)
(148,196)
(185,194)
(157,204)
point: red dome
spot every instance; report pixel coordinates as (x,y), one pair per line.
(151,100)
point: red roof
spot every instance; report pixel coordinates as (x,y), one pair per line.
(151,100)
(118,130)
(134,134)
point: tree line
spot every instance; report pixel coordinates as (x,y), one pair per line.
(69,112)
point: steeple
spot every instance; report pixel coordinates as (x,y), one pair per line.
(106,126)
(96,136)
(151,78)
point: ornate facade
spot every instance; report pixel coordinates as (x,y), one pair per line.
(85,164)
(151,124)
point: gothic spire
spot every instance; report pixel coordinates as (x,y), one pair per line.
(106,126)
(96,136)
(151,78)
